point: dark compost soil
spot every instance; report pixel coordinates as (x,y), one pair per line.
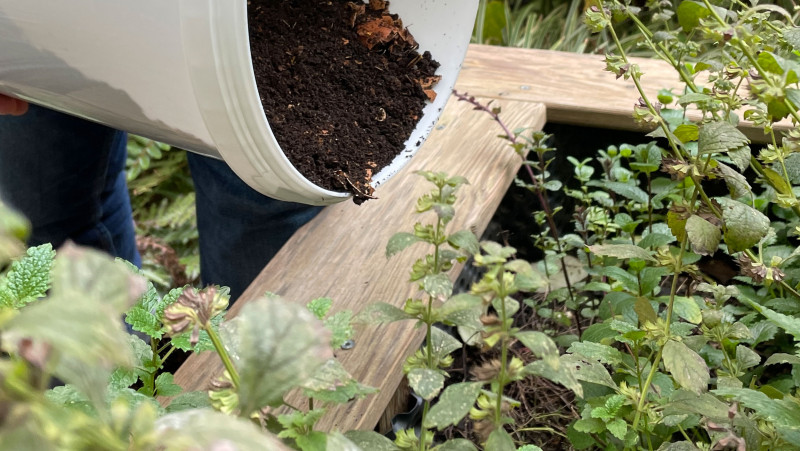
(342,86)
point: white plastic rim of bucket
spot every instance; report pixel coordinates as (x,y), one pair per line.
(180,72)
(229,102)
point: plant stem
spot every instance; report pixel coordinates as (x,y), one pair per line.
(501,378)
(423,432)
(668,320)
(539,193)
(223,354)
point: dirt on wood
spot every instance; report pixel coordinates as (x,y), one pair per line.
(342,85)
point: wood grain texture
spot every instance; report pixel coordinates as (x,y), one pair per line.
(341,253)
(575,87)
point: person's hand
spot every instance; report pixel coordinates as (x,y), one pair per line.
(12,106)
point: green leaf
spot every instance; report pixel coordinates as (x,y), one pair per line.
(340,325)
(604,353)
(598,333)
(776,181)
(651,277)
(499,440)
(80,319)
(782,358)
(687,308)
(686,366)
(275,345)
(588,370)
(338,442)
(553,368)
(539,343)
(510,305)
(628,280)
(207,429)
(529,448)
(741,157)
(737,183)
(438,286)
(70,396)
(459,444)
(778,65)
(425,382)
(466,241)
(313,441)
(82,272)
(703,236)
(716,137)
(371,440)
(299,426)
(146,315)
(678,446)
(618,428)
(29,277)
(693,97)
(644,310)
(684,401)
(453,405)
(320,307)
(687,132)
(581,440)
(525,277)
(656,240)
(166,386)
(790,324)
(625,190)
(400,241)
(124,377)
(144,321)
(746,357)
(381,313)
(690,12)
(792,36)
(622,251)
(590,425)
(443,343)
(189,400)
(792,163)
(183,341)
(332,383)
(783,412)
(463,309)
(745,226)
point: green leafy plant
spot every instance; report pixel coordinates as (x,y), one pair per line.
(672,357)
(556,25)
(483,317)
(61,327)
(162,199)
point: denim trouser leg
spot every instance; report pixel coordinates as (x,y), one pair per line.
(240,229)
(67,176)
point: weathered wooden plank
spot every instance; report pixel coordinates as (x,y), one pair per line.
(575,87)
(340,254)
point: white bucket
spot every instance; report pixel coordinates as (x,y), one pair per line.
(180,72)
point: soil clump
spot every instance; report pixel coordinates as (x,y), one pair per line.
(342,85)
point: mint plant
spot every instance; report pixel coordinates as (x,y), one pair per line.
(680,360)
(61,326)
(484,317)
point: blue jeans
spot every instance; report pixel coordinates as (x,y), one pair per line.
(67,175)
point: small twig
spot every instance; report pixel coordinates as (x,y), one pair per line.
(341,174)
(542,198)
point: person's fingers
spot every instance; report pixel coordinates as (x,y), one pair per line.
(12,106)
